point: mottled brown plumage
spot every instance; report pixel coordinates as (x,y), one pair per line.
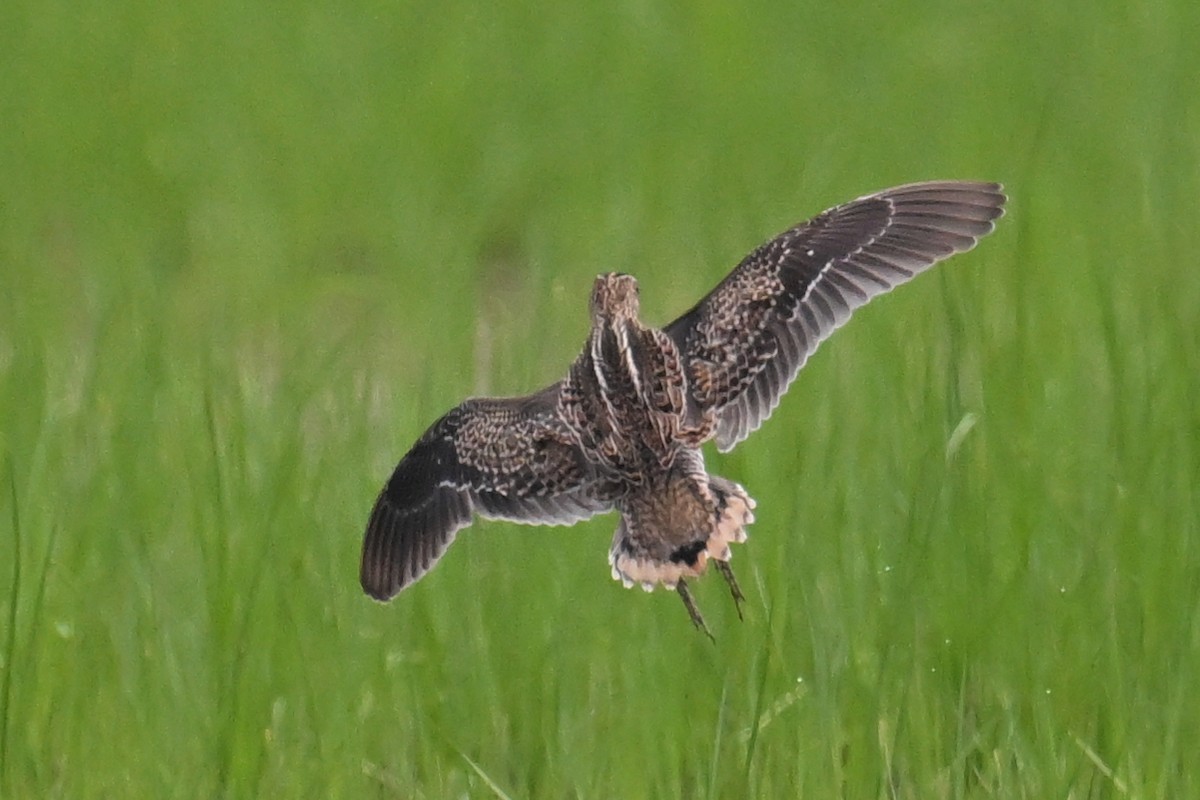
(622,430)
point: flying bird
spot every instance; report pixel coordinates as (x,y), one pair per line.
(622,430)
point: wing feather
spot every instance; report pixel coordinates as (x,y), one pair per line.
(500,458)
(746,340)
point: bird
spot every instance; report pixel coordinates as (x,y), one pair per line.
(623,429)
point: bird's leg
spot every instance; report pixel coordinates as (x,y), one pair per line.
(727,573)
(693,612)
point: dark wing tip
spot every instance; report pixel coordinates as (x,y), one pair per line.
(975,201)
(937,219)
(401,545)
(379,572)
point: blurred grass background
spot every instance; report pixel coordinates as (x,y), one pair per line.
(248,252)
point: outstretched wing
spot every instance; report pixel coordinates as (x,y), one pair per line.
(509,458)
(746,340)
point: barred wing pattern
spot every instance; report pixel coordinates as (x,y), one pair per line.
(501,458)
(747,339)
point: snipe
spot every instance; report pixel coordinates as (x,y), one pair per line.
(622,431)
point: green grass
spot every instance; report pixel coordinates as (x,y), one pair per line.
(248,254)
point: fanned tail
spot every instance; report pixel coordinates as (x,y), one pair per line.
(669,531)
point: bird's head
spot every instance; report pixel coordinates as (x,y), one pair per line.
(614,296)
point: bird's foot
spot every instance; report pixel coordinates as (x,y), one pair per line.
(727,573)
(697,619)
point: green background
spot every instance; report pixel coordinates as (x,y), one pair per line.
(249,251)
